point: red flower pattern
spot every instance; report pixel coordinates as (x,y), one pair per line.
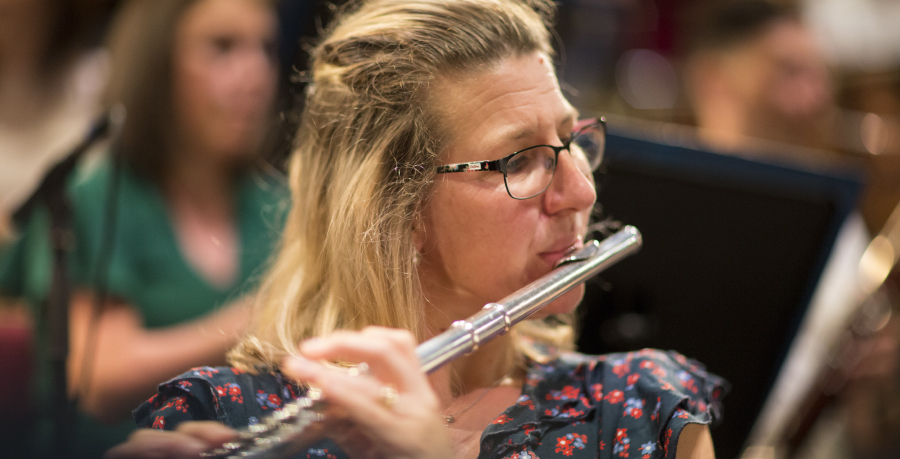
(527,402)
(666,442)
(588,382)
(614,397)
(159,423)
(179,403)
(235,392)
(622,443)
(528,429)
(597,392)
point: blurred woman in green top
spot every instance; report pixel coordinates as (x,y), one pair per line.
(195,217)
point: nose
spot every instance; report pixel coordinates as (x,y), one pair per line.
(572,187)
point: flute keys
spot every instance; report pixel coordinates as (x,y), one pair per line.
(258,429)
(226,450)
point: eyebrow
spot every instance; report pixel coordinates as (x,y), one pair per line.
(571,118)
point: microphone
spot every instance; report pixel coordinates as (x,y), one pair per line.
(52,193)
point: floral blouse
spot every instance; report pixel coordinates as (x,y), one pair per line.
(631,405)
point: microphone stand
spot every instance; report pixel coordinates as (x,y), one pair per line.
(52,194)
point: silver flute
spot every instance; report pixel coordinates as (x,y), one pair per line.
(286,431)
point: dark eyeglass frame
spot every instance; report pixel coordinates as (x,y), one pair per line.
(499,165)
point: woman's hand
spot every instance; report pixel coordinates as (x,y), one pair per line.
(187,441)
(389,412)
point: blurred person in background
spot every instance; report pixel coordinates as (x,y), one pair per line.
(52,73)
(872,128)
(754,71)
(194,215)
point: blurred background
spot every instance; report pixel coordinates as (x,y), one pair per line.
(629,58)
(756,145)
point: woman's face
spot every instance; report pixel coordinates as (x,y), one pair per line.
(224,76)
(477,243)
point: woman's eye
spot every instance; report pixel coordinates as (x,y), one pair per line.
(518,163)
(549,163)
(223,45)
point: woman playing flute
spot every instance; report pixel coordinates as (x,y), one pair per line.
(438,168)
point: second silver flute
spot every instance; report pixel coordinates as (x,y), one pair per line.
(284,432)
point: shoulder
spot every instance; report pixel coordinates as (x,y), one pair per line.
(644,399)
(92,177)
(224,394)
(664,371)
(265,186)
(265,197)
(96,177)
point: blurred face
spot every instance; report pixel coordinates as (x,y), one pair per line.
(781,74)
(477,243)
(224,76)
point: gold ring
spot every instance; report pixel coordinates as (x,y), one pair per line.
(361,369)
(388,395)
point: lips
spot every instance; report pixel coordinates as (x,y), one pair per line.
(561,250)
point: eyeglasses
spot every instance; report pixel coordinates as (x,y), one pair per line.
(528,173)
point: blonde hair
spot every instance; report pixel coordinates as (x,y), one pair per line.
(366,151)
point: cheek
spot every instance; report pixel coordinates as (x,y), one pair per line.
(208,87)
(194,94)
(481,240)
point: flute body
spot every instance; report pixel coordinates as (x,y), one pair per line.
(495,319)
(283,433)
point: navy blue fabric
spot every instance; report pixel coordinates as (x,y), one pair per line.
(626,405)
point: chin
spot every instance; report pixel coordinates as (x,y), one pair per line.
(562,305)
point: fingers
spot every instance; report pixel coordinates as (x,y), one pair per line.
(388,403)
(362,399)
(389,354)
(211,432)
(188,441)
(357,418)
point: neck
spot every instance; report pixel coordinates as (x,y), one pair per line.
(205,186)
(201,200)
(721,124)
(483,369)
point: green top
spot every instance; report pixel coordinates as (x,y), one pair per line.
(146,268)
